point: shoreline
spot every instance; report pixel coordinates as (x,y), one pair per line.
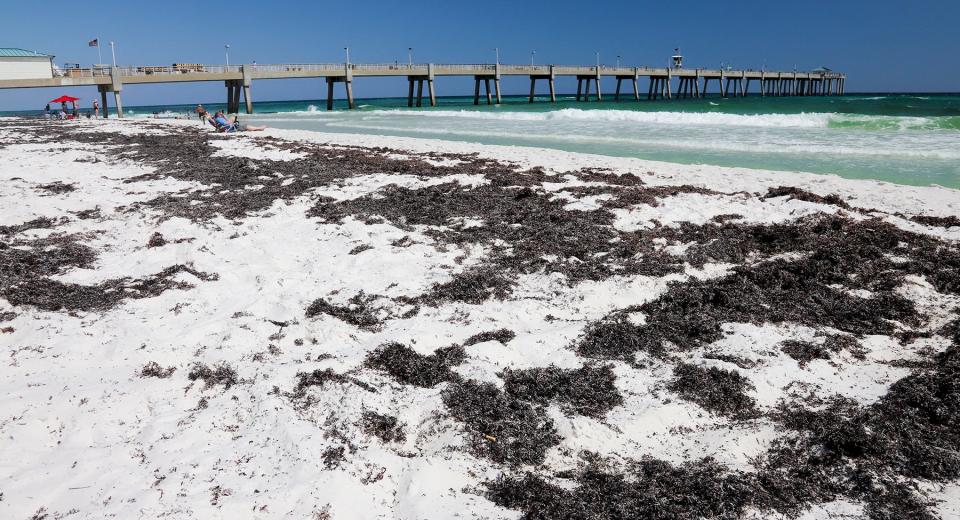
(294,323)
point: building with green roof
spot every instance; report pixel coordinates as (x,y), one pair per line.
(23,64)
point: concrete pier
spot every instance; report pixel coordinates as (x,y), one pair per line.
(692,83)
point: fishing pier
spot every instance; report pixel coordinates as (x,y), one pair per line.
(661,83)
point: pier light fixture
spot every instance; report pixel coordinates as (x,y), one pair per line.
(347,50)
(113,54)
(618,61)
(410,56)
(533,54)
(226,51)
(598,58)
(496,50)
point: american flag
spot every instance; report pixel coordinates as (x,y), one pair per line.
(94,42)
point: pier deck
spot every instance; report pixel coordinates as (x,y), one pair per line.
(237,78)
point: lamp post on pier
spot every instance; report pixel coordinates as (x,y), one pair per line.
(410,56)
(347,50)
(618,61)
(598,59)
(497,51)
(226,51)
(113,54)
(533,54)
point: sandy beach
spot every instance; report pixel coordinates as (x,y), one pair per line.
(295,324)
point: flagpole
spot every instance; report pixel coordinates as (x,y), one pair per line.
(99,56)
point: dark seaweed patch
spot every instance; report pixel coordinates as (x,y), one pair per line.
(649,489)
(320,378)
(53,295)
(57,188)
(473,286)
(945,222)
(358,312)
(501,427)
(37,223)
(153,369)
(589,390)
(501,335)
(715,389)
(156,240)
(222,374)
(412,368)
(799,194)
(386,427)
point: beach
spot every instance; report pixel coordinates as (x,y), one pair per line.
(334,325)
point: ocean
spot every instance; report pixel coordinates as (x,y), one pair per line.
(899,138)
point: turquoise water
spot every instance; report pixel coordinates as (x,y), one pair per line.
(901,138)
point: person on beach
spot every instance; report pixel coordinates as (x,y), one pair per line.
(46,111)
(222,124)
(96,109)
(201,113)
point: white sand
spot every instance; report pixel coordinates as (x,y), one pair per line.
(82,433)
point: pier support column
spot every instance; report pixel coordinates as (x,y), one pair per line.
(650,88)
(329,93)
(586,94)
(118,103)
(419,93)
(103,100)
(553,90)
(348,83)
(116,85)
(597,81)
(247,81)
(723,93)
(533,86)
(668,85)
(636,88)
(410,92)
(486,84)
(579,87)
(476,90)
(430,88)
(496,82)
(616,94)
(696,84)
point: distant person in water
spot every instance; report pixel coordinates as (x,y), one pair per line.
(201,113)
(96,109)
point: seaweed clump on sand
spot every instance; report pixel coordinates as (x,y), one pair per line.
(650,488)
(806,196)
(26,268)
(527,231)
(153,369)
(358,312)
(222,374)
(720,391)
(806,351)
(589,390)
(944,222)
(385,427)
(818,289)
(473,286)
(412,368)
(37,223)
(501,335)
(318,377)
(500,426)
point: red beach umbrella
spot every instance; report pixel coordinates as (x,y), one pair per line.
(65,99)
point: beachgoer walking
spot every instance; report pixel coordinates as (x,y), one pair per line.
(201,113)
(96,109)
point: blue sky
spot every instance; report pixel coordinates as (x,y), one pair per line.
(884,45)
